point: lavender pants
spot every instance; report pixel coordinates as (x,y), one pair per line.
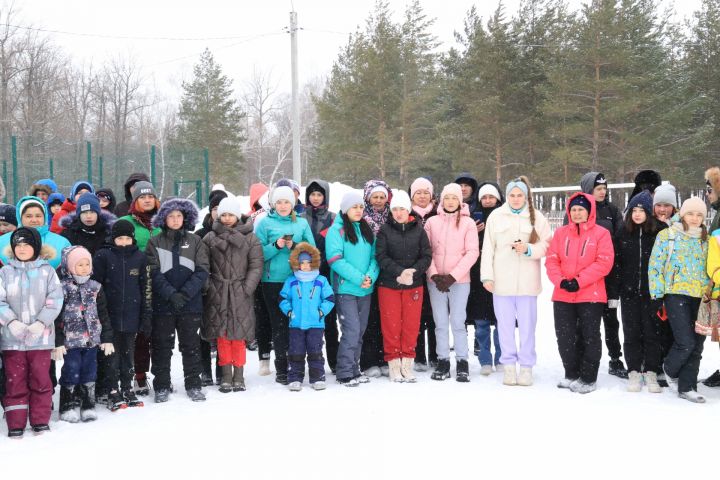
(523,310)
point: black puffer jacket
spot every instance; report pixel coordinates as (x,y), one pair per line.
(466,177)
(320,220)
(400,246)
(632,256)
(91,238)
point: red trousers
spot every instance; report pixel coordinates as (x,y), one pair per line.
(28,388)
(231,352)
(400,320)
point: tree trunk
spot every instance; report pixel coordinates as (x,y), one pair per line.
(596,108)
(381,148)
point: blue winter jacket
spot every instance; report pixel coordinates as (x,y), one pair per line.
(349,264)
(306,298)
(273,226)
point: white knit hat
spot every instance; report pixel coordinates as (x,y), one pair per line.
(489,189)
(282,193)
(401,200)
(229,205)
(665,193)
(350,199)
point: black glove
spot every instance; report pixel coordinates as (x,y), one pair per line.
(177,301)
(570,285)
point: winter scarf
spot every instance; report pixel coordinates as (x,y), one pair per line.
(423,211)
(143,217)
(692,232)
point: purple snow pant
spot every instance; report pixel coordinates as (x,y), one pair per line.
(308,342)
(523,310)
(28,387)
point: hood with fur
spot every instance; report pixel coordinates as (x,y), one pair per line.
(105,217)
(712,177)
(185,206)
(307,248)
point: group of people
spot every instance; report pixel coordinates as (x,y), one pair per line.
(105,287)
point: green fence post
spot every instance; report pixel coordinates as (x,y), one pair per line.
(52,169)
(13,145)
(152,165)
(100,171)
(89,161)
(177,189)
(206,157)
(5,176)
(198,192)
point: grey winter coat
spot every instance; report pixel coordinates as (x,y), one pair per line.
(236,266)
(29,292)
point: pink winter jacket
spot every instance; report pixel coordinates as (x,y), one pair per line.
(583,252)
(455,248)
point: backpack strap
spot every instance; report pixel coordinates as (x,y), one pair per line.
(671,248)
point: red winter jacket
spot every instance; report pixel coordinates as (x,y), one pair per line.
(583,252)
(67,208)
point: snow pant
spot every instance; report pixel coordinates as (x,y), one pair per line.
(372,348)
(263,330)
(331,338)
(187,326)
(121,367)
(641,333)
(482,339)
(231,352)
(400,320)
(425,354)
(142,354)
(612,332)
(306,342)
(666,338)
(353,315)
(449,311)
(683,359)
(579,323)
(79,366)
(279,324)
(28,388)
(521,311)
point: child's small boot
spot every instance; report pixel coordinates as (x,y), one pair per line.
(69,411)
(227,378)
(87,402)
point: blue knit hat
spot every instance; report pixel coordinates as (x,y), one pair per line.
(304,257)
(88,202)
(643,200)
(81,185)
(7,214)
(580,201)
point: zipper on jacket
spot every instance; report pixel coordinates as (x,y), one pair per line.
(640,269)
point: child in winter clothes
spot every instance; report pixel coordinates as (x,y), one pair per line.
(179,267)
(579,258)
(236,264)
(81,327)
(88,225)
(54,204)
(278,232)
(454,240)
(641,325)
(678,275)
(403,254)
(516,238)
(350,252)
(106,197)
(121,268)
(68,206)
(8,219)
(30,299)
(307,298)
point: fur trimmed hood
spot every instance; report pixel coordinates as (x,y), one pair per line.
(712,177)
(46,252)
(307,248)
(185,206)
(107,218)
(35,187)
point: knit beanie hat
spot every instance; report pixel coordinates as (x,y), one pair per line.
(122,228)
(215,197)
(421,183)
(314,187)
(7,214)
(229,205)
(287,182)
(580,201)
(599,180)
(143,188)
(693,204)
(81,185)
(643,200)
(665,193)
(304,257)
(489,189)
(88,202)
(451,189)
(282,193)
(28,236)
(74,255)
(516,183)
(350,199)
(401,200)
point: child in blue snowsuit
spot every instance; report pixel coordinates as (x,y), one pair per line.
(306,298)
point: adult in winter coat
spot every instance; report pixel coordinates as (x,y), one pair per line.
(213,203)
(278,232)
(88,225)
(424,207)
(712,188)
(516,238)
(350,252)
(40,190)
(318,215)
(123,208)
(677,274)
(403,253)
(480,309)
(68,205)
(27,331)
(32,212)
(579,258)
(469,186)
(179,266)
(236,265)
(454,241)
(107,200)
(641,324)
(646,180)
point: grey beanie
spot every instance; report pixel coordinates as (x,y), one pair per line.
(665,193)
(143,188)
(350,199)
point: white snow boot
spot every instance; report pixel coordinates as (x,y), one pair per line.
(394,372)
(264,369)
(406,370)
(525,378)
(692,396)
(485,370)
(634,381)
(651,381)
(510,377)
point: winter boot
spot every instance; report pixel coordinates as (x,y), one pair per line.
(525,379)
(566,382)
(394,372)
(295,386)
(617,368)
(634,381)
(116,401)
(385,370)
(40,428)
(406,370)
(373,372)
(264,369)
(281,368)
(442,371)
(672,382)
(252,346)
(462,371)
(130,399)
(206,379)
(319,385)
(510,377)
(196,394)
(420,367)
(485,370)
(362,378)
(226,382)
(16,433)
(162,395)
(87,402)
(69,409)
(348,382)
(238,382)
(692,396)
(713,380)
(141,384)
(652,383)
(578,386)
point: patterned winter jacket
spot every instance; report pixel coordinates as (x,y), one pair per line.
(29,292)
(84,320)
(686,272)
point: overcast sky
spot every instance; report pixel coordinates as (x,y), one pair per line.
(253,30)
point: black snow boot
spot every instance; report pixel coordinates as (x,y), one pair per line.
(87,401)
(463,371)
(69,406)
(442,371)
(281,367)
(713,380)
(617,368)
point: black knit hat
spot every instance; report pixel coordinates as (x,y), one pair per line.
(215,197)
(7,214)
(580,201)
(29,236)
(122,228)
(599,180)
